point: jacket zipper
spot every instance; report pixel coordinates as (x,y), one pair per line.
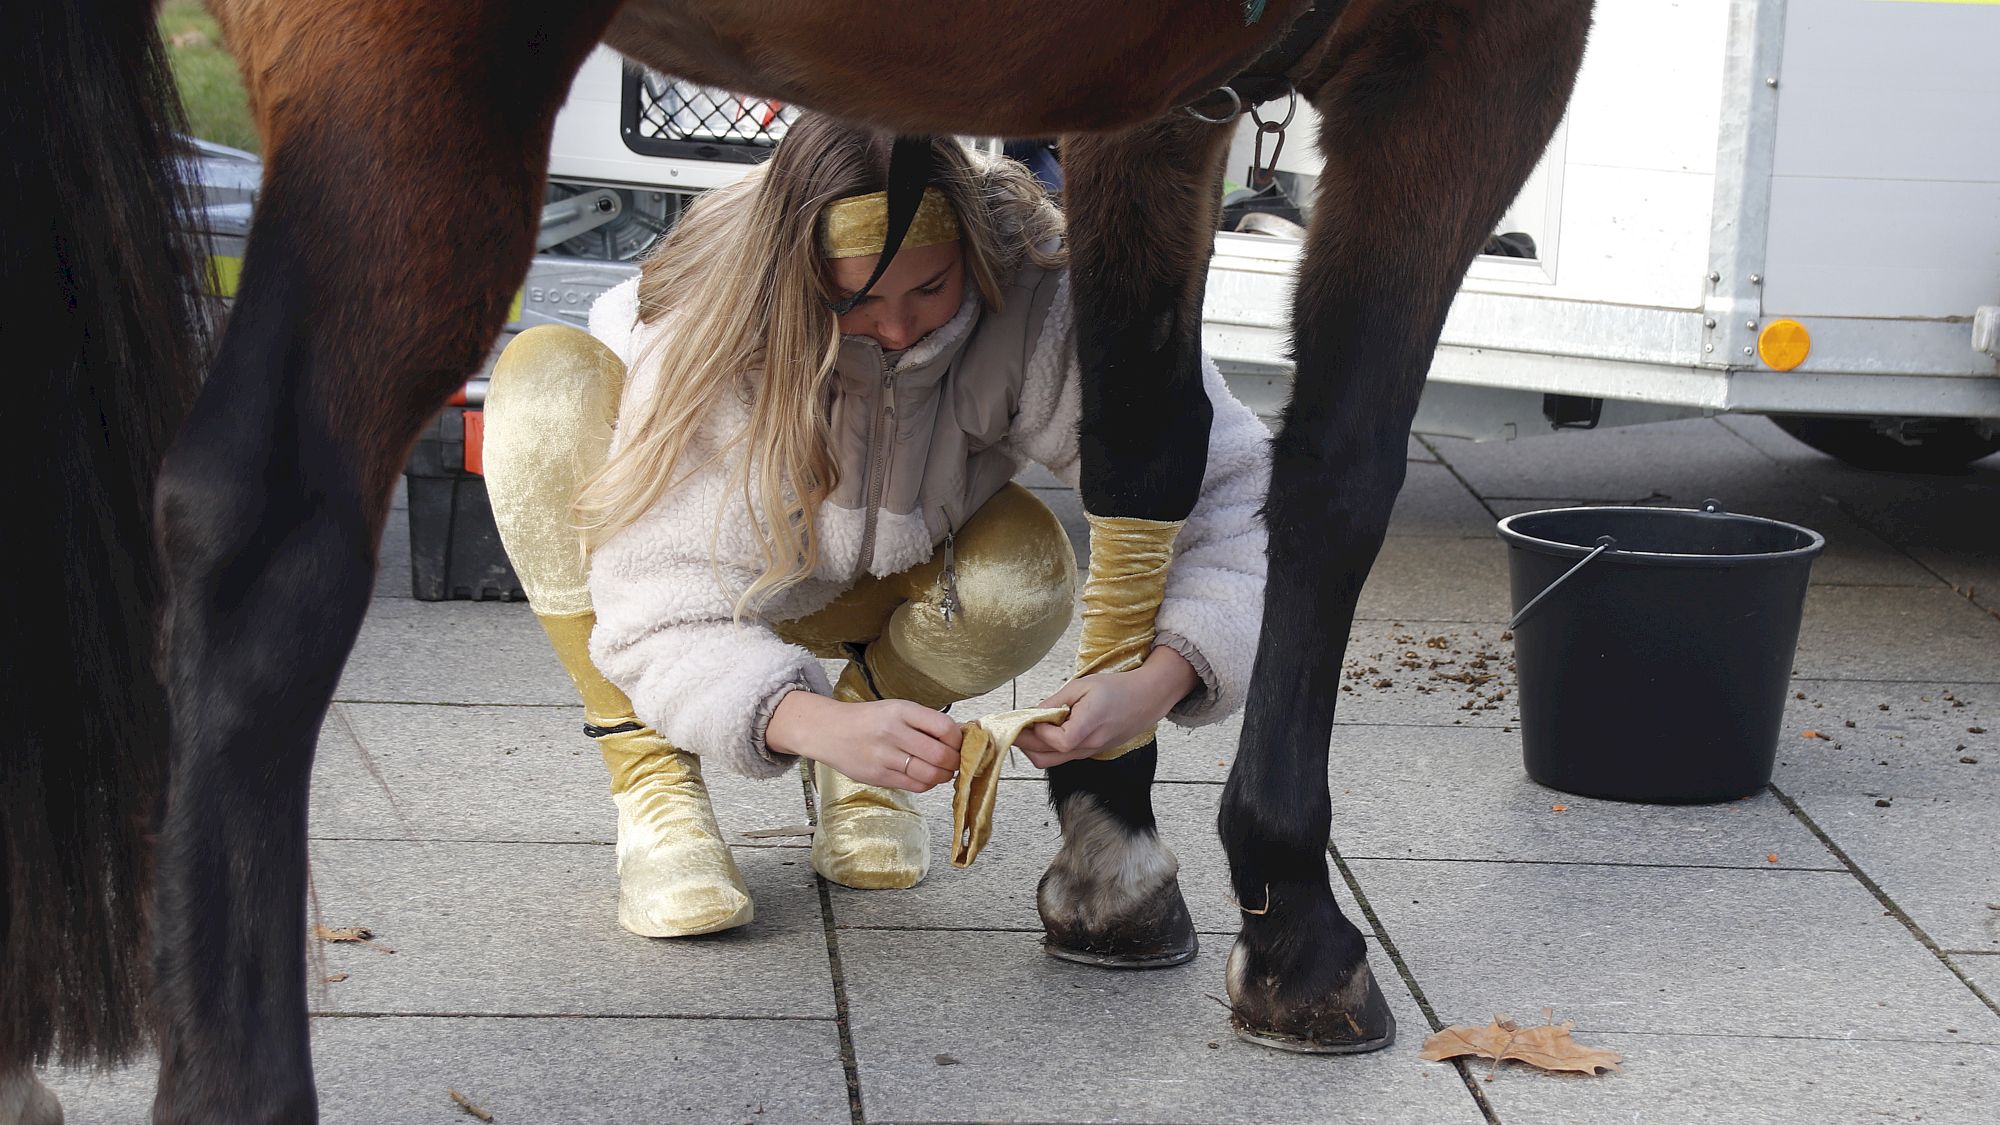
(877,464)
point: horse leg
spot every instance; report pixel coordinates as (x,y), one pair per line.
(1433,116)
(1142,210)
(406,156)
(24,1100)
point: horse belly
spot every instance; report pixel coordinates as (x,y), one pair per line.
(1001,68)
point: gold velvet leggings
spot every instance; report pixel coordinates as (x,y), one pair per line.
(549,414)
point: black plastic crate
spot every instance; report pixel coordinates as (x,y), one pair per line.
(455,552)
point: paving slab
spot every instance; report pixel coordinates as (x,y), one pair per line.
(392,565)
(1422,694)
(453,652)
(531,929)
(1910,739)
(998,891)
(1882,528)
(1436,504)
(1676,1079)
(1462,794)
(1924,514)
(399,1070)
(1935,857)
(1438,579)
(1983,968)
(1886,633)
(1665,950)
(522,774)
(1068,508)
(1682,462)
(984,1027)
(1035,476)
(1429,673)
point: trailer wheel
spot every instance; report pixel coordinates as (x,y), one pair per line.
(1896,445)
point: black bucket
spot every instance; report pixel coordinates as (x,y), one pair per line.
(1655,647)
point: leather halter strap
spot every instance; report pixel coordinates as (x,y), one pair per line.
(1269,78)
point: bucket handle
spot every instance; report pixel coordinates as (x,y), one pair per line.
(1604,543)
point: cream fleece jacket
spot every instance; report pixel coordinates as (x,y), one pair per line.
(665,602)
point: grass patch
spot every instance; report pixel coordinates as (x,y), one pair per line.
(217,108)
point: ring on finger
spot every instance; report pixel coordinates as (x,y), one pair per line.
(907,759)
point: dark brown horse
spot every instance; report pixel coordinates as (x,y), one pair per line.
(405,147)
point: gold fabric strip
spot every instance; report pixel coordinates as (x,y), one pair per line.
(1121,599)
(981,752)
(859,225)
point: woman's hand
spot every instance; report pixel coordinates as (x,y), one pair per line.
(893,743)
(1108,709)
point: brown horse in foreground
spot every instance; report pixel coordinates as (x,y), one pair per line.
(405,150)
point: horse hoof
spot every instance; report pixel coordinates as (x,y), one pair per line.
(1111,897)
(1160,935)
(1350,1018)
(1278,1041)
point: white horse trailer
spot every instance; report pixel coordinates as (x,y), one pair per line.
(1773,207)
(1788,207)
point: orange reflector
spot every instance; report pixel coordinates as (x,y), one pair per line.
(475,442)
(1783,344)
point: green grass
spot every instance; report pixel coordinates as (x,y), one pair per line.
(217,108)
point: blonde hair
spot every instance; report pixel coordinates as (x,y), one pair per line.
(742,277)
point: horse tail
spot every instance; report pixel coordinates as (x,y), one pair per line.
(106,338)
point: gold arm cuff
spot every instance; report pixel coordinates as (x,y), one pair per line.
(859,225)
(1121,599)
(980,754)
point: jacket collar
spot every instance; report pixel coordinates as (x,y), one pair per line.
(921,364)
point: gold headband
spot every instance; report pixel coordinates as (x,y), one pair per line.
(859,225)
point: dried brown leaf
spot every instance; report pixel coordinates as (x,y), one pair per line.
(465,1104)
(1547,1047)
(350,935)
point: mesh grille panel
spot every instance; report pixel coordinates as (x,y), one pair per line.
(669,117)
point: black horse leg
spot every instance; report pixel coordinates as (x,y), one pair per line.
(396,220)
(1433,116)
(1142,209)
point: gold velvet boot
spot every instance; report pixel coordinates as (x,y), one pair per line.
(869,838)
(676,877)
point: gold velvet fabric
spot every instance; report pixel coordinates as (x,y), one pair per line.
(982,750)
(676,877)
(1014,576)
(1121,599)
(549,412)
(858,226)
(869,837)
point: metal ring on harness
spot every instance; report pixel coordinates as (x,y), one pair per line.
(1235,108)
(1260,176)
